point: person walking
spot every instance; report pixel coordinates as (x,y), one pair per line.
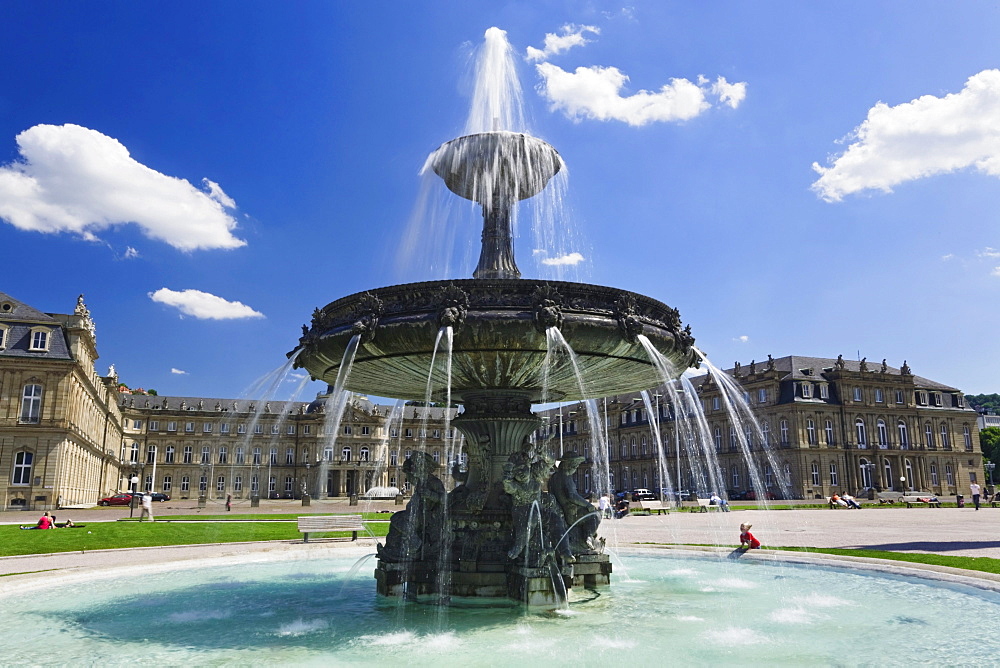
(147,507)
(976,491)
(229,502)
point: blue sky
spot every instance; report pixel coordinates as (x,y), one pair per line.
(797,178)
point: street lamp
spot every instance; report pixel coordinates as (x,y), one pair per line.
(902,484)
(131,502)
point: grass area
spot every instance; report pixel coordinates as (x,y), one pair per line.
(983,564)
(110,535)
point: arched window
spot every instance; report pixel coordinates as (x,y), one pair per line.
(635,453)
(887,468)
(949,474)
(171,453)
(768,476)
(934,474)
(904,435)
(328,453)
(718,439)
(748,432)
(786,475)
(22,468)
(815,474)
(928,435)
(31,404)
(765,427)
(644,447)
(273,457)
(945,437)
(732,438)
(133,455)
(861,432)
(828,430)
(735,471)
(624,449)
(363,455)
(908,467)
(866,474)
(883,434)
(834,478)
(289,456)
(783,426)
(345,454)
(811,438)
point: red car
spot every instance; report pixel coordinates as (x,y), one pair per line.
(116,500)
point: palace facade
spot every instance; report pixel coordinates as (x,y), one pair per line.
(68,436)
(824,425)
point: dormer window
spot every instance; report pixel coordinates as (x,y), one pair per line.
(6,307)
(3,336)
(39,339)
(807,390)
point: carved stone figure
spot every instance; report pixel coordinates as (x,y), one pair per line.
(183,405)
(885,367)
(863,364)
(523,475)
(201,404)
(753,367)
(267,406)
(454,306)
(415,533)
(840,362)
(770,363)
(548,308)
(112,373)
(905,369)
(736,368)
(628,322)
(580,516)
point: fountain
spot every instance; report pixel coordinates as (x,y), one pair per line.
(484,535)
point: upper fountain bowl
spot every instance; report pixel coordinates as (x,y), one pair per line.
(500,341)
(491,166)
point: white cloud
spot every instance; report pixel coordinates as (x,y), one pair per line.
(742,339)
(988,252)
(995,272)
(77,180)
(563,260)
(131,253)
(596,93)
(949,256)
(572,35)
(924,137)
(178,372)
(203,305)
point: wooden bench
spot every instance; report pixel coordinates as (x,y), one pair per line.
(657,507)
(996,500)
(922,499)
(326,523)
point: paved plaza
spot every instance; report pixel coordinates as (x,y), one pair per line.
(946,531)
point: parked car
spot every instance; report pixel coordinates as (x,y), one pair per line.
(158,496)
(123,499)
(751,495)
(643,495)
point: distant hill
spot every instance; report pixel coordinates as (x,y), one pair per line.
(984,402)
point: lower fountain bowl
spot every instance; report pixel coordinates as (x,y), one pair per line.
(499,339)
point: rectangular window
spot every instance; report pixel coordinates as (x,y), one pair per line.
(206,455)
(394,458)
(224,428)
(367,430)
(949,474)
(170,455)
(811,435)
(273,456)
(879,395)
(154,425)
(185,483)
(824,391)
(256,456)
(137,424)
(167,482)
(220,484)
(348,430)
(147,484)
(223,454)
(834,478)
(188,454)
(762,395)
(274,429)
(206,428)
(716,404)
(934,474)
(189,427)
(290,430)
(39,340)
(288,485)
(828,429)
(22,468)
(203,484)
(409,433)
(150,454)
(306,429)
(239,455)
(258,429)
(899,396)
(290,456)
(241,428)
(815,474)
(807,390)
(31,404)
(171,426)
(857,394)
(238,483)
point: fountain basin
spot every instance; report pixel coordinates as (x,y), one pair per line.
(491,166)
(499,339)
(691,610)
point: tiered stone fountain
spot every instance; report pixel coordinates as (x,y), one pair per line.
(516,527)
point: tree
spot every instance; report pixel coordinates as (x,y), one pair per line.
(984,402)
(989,439)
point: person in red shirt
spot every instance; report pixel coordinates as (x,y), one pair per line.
(747,541)
(44,522)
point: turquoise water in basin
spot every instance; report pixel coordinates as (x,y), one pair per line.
(663,609)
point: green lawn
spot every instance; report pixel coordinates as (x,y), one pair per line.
(109,535)
(984,564)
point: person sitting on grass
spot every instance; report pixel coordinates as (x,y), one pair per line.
(44,522)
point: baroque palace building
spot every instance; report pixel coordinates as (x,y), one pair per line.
(70,436)
(829,425)
(60,427)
